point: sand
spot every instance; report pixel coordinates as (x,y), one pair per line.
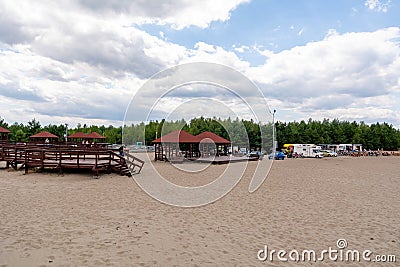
(75,220)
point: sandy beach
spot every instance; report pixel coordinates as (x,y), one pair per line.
(75,220)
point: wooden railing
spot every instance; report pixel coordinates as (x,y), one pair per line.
(96,159)
(135,164)
(13,154)
(66,156)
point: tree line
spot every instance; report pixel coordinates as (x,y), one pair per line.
(374,136)
(239,132)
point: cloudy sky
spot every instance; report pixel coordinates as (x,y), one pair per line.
(82,60)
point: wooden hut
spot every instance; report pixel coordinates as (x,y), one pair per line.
(78,135)
(4,135)
(183,144)
(95,136)
(212,144)
(43,137)
(176,144)
(98,139)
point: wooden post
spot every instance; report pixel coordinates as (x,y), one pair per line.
(60,163)
(77,159)
(42,159)
(26,161)
(96,159)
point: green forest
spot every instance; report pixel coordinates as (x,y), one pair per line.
(371,136)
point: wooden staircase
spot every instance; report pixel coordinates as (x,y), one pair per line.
(133,163)
(128,165)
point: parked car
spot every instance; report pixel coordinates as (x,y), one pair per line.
(329,153)
(277,155)
(256,154)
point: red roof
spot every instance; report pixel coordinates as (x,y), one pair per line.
(95,135)
(179,136)
(43,135)
(215,138)
(4,130)
(78,135)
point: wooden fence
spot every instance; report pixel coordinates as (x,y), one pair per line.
(68,157)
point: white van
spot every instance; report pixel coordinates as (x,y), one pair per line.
(308,150)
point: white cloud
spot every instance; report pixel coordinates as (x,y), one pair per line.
(265,52)
(177,13)
(355,71)
(366,114)
(360,64)
(100,32)
(40,87)
(203,52)
(64,75)
(378,5)
(241,49)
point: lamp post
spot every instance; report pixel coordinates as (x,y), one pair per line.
(66,133)
(273,130)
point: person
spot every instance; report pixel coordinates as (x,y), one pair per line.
(121,151)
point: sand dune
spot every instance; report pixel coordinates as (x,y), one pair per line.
(75,220)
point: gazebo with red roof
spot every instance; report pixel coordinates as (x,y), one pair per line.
(43,136)
(4,134)
(212,144)
(78,135)
(95,135)
(178,143)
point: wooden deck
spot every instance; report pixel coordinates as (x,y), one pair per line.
(98,160)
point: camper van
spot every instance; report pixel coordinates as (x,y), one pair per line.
(308,150)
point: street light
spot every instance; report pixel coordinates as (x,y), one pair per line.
(273,130)
(66,133)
